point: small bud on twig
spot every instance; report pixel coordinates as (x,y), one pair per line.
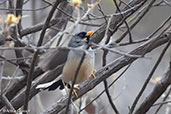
(12,19)
(76,3)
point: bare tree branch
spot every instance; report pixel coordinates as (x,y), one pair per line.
(1,72)
(109,97)
(19,5)
(164,99)
(7,104)
(155,94)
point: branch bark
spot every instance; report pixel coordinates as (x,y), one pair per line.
(19,5)
(109,70)
(110,98)
(7,104)
(155,94)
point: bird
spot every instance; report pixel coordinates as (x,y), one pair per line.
(78,44)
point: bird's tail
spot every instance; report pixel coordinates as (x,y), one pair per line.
(56,85)
(52,85)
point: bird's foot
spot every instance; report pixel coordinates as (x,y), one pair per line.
(92,74)
(74,91)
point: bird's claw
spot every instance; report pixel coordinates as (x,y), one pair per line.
(92,74)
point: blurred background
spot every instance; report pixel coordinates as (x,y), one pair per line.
(124,91)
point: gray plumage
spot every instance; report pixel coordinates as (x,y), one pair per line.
(53,58)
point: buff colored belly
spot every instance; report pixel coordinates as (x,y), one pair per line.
(70,68)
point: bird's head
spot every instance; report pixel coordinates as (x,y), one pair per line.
(80,39)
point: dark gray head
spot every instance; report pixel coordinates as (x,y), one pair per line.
(80,39)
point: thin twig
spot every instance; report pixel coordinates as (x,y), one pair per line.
(3,2)
(18,53)
(164,99)
(4,59)
(160,27)
(19,5)
(165,1)
(161,103)
(7,103)
(1,72)
(116,51)
(128,28)
(105,52)
(10,82)
(107,30)
(11,6)
(100,9)
(18,9)
(134,42)
(73,82)
(14,59)
(109,97)
(12,78)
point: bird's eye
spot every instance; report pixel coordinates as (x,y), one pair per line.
(77,42)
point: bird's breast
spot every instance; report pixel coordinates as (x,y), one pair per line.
(71,66)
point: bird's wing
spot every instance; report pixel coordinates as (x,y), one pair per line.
(53,58)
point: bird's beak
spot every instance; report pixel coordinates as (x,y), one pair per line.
(89,33)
